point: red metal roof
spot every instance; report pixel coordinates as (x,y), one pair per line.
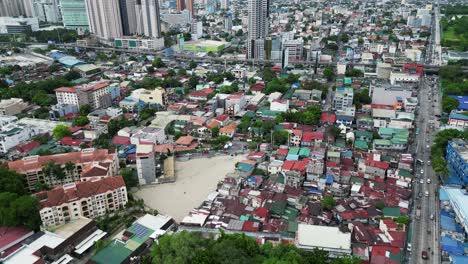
(328,117)
(312,136)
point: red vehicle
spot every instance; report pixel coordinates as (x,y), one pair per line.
(424,255)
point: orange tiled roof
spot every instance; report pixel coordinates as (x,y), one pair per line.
(59,195)
(36,162)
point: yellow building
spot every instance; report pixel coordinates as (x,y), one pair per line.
(155,96)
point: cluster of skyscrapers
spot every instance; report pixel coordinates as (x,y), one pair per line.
(106,19)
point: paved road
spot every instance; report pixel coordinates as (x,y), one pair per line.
(425,233)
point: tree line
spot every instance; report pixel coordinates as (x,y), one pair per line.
(193,247)
(17,207)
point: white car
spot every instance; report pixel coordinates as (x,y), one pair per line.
(428,181)
(421,181)
(427,146)
(422,171)
(426,193)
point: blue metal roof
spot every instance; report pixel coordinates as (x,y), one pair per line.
(458,116)
(329,179)
(443,195)
(70,61)
(459,259)
(463,101)
(316,191)
(292,157)
(57,55)
(447,223)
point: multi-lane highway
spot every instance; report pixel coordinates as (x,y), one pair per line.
(425,235)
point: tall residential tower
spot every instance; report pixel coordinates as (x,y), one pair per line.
(148,18)
(257,28)
(74,15)
(105,18)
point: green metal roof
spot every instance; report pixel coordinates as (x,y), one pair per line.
(304,152)
(404,173)
(391,211)
(361,144)
(293,151)
(366,134)
(278,207)
(382,142)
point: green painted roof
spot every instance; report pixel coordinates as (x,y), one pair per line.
(355,179)
(404,173)
(333,154)
(367,118)
(361,144)
(366,134)
(391,211)
(292,226)
(290,213)
(293,151)
(278,178)
(304,152)
(386,131)
(278,207)
(382,142)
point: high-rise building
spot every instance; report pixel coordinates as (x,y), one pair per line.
(16,8)
(148,18)
(225,4)
(74,15)
(180,5)
(104,18)
(47,10)
(257,28)
(189,6)
(128,16)
(197,29)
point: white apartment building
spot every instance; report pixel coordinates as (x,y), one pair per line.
(343,98)
(15,8)
(89,199)
(47,10)
(295,48)
(279,105)
(13,134)
(105,18)
(96,95)
(143,135)
(88,163)
(148,18)
(12,106)
(146,164)
(197,29)
(403,77)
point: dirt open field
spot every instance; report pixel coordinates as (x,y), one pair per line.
(196,179)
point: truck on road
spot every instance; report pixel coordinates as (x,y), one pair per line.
(418,214)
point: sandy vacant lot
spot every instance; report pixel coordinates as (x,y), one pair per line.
(195,180)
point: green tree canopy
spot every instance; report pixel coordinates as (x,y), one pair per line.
(449,103)
(192,247)
(268,74)
(80,121)
(158,63)
(329,73)
(328,202)
(18,210)
(11,181)
(61,131)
